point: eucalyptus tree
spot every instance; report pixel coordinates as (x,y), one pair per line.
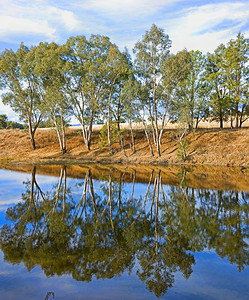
(175,70)
(21,87)
(84,76)
(191,101)
(151,52)
(92,71)
(219,96)
(129,97)
(236,70)
(49,67)
(118,103)
(116,69)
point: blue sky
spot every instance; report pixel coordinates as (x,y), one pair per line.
(196,24)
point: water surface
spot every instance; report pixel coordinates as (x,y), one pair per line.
(123,233)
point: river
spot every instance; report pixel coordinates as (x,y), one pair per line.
(117,232)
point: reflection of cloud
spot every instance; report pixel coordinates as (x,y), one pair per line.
(5,203)
(13,177)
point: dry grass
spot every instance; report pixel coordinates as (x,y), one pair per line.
(206,146)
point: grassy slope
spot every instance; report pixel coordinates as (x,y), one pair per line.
(206,146)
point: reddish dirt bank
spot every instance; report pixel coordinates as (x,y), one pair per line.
(227,147)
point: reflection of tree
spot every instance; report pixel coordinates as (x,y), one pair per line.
(219,221)
(228,226)
(108,228)
(163,253)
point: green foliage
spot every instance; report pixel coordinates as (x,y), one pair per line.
(13,125)
(3,121)
(190,103)
(182,150)
(103,135)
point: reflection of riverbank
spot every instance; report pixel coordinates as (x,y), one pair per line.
(211,177)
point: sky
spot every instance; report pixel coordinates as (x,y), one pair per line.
(196,24)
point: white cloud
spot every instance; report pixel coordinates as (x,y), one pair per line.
(123,21)
(201,27)
(64,17)
(10,25)
(19,18)
(5,109)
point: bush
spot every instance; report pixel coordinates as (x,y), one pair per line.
(182,150)
(103,135)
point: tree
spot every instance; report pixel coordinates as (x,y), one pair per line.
(116,68)
(236,69)
(190,103)
(129,98)
(151,53)
(49,68)
(84,78)
(219,97)
(17,78)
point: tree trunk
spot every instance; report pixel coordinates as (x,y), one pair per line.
(87,133)
(163,122)
(32,134)
(121,139)
(64,141)
(132,138)
(148,139)
(59,136)
(155,115)
(197,123)
(118,122)
(64,150)
(221,119)
(89,137)
(241,115)
(146,133)
(231,120)
(84,133)
(109,134)
(237,115)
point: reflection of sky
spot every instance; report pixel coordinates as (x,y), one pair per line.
(212,277)
(12,187)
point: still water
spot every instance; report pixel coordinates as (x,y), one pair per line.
(99,232)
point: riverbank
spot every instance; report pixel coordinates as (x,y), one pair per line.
(227,147)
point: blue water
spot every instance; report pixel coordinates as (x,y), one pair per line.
(213,275)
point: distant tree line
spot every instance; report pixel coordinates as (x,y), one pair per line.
(92,80)
(5,124)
